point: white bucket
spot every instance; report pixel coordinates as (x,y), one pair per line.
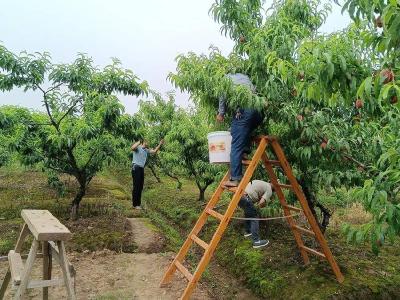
(219,146)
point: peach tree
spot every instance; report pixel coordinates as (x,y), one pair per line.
(13,127)
(326,96)
(84,125)
(186,150)
(379,23)
(156,117)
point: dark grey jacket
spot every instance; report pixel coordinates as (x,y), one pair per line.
(237,78)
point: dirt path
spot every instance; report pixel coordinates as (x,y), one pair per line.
(107,275)
(145,235)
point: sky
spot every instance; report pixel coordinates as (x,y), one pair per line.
(145,35)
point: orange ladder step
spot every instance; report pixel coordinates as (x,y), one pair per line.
(231,189)
(199,241)
(215,214)
(304,230)
(285,186)
(183,270)
(294,208)
(313,251)
(276,163)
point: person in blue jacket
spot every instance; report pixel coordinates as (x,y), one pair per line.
(139,158)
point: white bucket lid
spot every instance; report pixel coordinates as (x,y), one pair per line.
(219,133)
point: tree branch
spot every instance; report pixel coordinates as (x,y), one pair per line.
(54,87)
(43,91)
(90,158)
(48,108)
(360,164)
(68,111)
(346,155)
(55,169)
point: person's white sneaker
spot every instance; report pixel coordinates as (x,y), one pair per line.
(247,234)
(137,207)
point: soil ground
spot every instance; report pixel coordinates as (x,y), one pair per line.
(108,275)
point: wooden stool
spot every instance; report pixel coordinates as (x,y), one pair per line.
(48,231)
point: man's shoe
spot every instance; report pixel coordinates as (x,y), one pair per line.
(137,207)
(231,183)
(260,243)
(247,234)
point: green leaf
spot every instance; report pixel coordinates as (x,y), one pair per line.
(368,85)
(331,69)
(343,65)
(385,91)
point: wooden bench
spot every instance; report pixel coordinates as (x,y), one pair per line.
(51,234)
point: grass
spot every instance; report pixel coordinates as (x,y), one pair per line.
(277,271)
(102,214)
(274,272)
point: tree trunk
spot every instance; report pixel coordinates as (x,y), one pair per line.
(77,201)
(178,182)
(153,171)
(312,203)
(202,194)
(202,189)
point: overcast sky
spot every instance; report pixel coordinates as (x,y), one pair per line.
(145,35)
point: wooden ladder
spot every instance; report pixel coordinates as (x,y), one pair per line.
(209,248)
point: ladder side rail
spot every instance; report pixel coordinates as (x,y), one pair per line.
(306,209)
(286,211)
(227,216)
(196,229)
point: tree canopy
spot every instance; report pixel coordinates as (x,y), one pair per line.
(326,96)
(84,124)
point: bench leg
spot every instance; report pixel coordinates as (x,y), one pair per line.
(65,270)
(5,283)
(22,236)
(27,270)
(47,265)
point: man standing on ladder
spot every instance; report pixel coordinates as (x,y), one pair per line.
(257,191)
(243,123)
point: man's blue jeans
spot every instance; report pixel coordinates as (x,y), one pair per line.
(252,226)
(241,132)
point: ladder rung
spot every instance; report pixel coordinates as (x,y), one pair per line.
(312,251)
(304,230)
(274,162)
(285,186)
(294,208)
(246,162)
(183,270)
(215,214)
(232,189)
(199,242)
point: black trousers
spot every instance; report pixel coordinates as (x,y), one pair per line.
(138,180)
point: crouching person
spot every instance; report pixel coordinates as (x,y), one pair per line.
(257,191)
